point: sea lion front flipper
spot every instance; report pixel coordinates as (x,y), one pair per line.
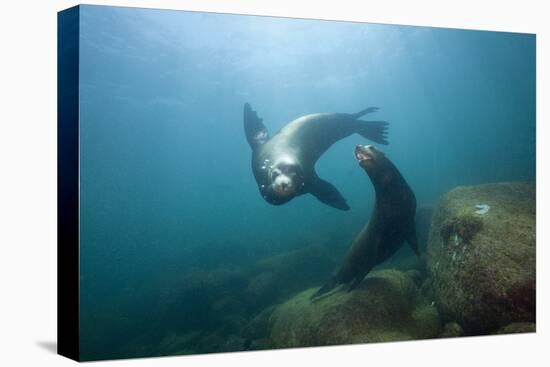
(327,193)
(254,129)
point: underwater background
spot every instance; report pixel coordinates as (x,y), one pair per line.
(179,252)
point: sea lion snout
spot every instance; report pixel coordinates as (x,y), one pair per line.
(283,185)
(285,177)
(365,154)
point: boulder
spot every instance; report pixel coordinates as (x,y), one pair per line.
(423,220)
(481,256)
(386,306)
(257,330)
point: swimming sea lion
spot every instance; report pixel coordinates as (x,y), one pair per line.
(284,165)
(392,221)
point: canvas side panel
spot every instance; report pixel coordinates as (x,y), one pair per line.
(68,183)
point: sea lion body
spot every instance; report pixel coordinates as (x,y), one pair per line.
(392,222)
(284,165)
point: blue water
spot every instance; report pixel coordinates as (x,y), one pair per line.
(166,185)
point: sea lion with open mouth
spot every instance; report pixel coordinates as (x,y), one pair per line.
(284,164)
(392,222)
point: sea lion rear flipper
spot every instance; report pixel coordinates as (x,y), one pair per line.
(373,130)
(255,131)
(354,283)
(365,111)
(327,194)
(327,287)
(334,285)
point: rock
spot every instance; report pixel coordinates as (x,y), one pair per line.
(423,221)
(518,327)
(260,325)
(233,343)
(178,343)
(279,277)
(210,343)
(261,283)
(416,276)
(483,265)
(231,323)
(200,298)
(425,321)
(426,289)
(451,330)
(386,306)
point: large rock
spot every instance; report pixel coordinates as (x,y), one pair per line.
(482,265)
(386,306)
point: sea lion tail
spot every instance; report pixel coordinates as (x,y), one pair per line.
(365,111)
(373,130)
(377,131)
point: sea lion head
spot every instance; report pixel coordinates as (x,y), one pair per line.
(371,160)
(280,181)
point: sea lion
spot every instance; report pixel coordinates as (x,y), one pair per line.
(392,221)
(284,165)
